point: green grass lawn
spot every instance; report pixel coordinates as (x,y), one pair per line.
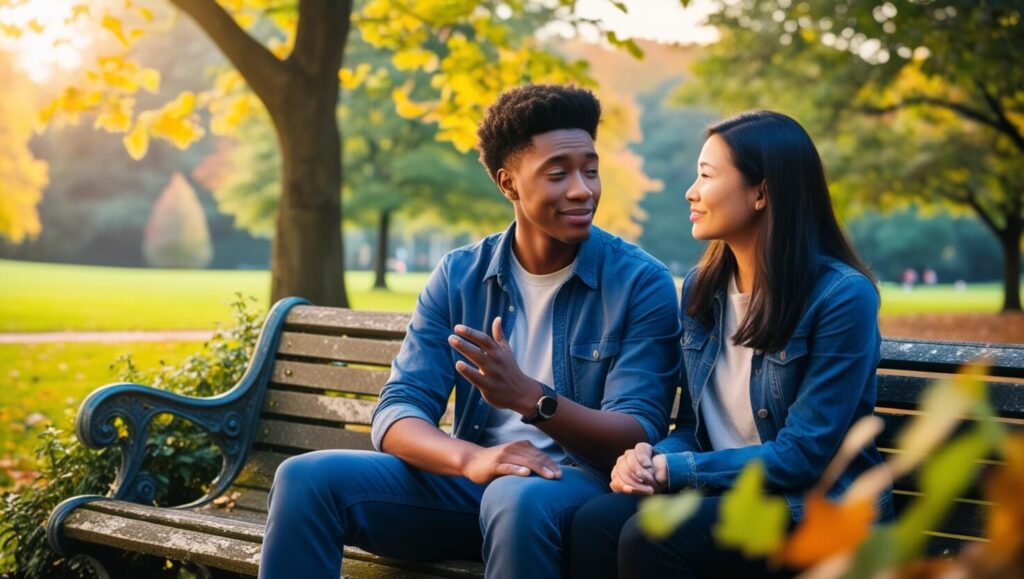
(43,384)
(52,297)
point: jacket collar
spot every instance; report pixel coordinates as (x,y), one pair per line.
(587,259)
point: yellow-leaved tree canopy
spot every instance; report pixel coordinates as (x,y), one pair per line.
(289,58)
(22,176)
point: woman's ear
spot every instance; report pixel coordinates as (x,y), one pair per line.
(762,196)
(507,185)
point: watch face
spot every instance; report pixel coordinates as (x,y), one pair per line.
(547,406)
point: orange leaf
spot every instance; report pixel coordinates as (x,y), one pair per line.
(1003,487)
(828,529)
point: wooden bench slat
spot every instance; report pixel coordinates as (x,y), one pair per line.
(163,541)
(310,436)
(965,517)
(935,356)
(328,377)
(337,321)
(896,419)
(202,520)
(335,408)
(342,349)
(904,391)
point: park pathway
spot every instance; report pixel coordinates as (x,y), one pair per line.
(105,337)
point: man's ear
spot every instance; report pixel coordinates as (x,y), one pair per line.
(507,185)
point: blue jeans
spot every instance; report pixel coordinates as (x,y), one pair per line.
(324,500)
(607,542)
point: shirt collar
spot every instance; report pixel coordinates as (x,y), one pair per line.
(587,260)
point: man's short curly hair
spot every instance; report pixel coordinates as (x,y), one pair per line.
(511,122)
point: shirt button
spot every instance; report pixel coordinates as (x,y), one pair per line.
(476,427)
(511,308)
(782,355)
(762,413)
(595,355)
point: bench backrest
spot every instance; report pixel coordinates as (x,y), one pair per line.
(331,364)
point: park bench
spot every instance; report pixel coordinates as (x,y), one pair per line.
(311,385)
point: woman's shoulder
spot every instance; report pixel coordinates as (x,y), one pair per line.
(837,279)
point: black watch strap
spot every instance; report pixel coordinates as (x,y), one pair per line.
(546,406)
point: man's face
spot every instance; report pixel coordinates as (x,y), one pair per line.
(555,186)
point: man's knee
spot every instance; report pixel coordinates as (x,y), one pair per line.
(519,502)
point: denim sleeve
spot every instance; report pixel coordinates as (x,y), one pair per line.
(683,438)
(641,381)
(843,351)
(422,375)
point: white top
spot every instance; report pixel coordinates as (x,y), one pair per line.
(725,405)
(531,341)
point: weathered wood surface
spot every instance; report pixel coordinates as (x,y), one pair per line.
(336,321)
(939,356)
(334,408)
(342,349)
(328,377)
(224,542)
(310,436)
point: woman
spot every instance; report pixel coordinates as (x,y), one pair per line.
(780,346)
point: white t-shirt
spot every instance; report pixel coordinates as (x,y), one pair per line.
(531,341)
(725,405)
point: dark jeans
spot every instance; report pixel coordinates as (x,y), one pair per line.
(606,538)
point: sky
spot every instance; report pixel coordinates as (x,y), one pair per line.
(661,20)
(43,55)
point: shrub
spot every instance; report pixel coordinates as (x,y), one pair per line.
(183,459)
(177,234)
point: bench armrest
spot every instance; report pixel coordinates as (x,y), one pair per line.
(229,418)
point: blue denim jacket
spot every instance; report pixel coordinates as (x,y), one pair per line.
(615,343)
(804,397)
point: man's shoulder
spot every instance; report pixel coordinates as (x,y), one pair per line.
(619,252)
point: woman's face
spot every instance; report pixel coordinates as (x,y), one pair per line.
(722,205)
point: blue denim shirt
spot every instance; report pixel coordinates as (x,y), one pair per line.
(804,397)
(615,336)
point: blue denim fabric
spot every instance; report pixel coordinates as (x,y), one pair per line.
(804,397)
(323,500)
(615,343)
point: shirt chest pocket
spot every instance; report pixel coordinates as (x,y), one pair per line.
(590,363)
(786,369)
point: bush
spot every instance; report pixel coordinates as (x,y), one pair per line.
(183,459)
(177,234)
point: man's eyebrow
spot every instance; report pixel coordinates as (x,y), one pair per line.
(562,157)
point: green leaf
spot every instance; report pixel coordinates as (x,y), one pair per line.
(750,521)
(661,515)
(876,554)
(620,5)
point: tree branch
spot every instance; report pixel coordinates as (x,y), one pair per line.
(959,108)
(1004,123)
(971,198)
(260,68)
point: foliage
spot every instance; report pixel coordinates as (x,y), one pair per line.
(22,176)
(835,538)
(183,459)
(177,235)
(907,100)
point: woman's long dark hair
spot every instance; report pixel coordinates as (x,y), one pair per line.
(799,224)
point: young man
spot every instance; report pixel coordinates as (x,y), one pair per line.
(561,343)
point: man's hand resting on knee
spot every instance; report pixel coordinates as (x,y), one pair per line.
(518,458)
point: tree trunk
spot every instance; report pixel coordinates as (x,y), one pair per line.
(380,259)
(1010,240)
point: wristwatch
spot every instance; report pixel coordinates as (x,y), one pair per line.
(546,406)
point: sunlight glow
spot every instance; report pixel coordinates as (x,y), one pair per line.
(43,36)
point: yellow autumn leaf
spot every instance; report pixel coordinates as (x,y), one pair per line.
(10,30)
(414,58)
(137,141)
(149,79)
(350,80)
(1005,530)
(35,26)
(79,10)
(405,107)
(116,115)
(115,27)
(145,13)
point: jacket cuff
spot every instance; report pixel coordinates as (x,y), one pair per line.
(384,418)
(681,471)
